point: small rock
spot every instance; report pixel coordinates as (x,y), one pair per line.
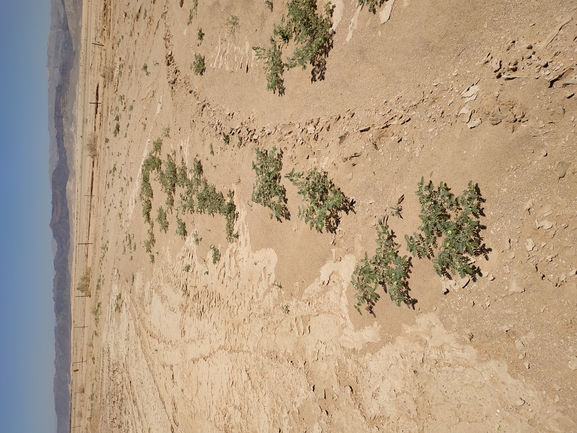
(466,113)
(543,153)
(474,123)
(520,402)
(573,363)
(561,169)
(519,345)
(515,288)
(545,224)
(529,244)
(522,356)
(490,277)
(470,93)
(495,64)
(385,14)
(527,365)
(529,206)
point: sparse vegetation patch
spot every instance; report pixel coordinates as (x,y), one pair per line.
(325,201)
(267,189)
(312,36)
(386,269)
(456,221)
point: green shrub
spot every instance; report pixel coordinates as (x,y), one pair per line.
(162,220)
(232,24)
(365,281)
(231,215)
(196,238)
(324,200)
(372,4)
(182,175)
(215,254)
(386,269)
(312,34)
(198,66)
(180,228)
(152,163)
(313,38)
(157,146)
(151,241)
(209,200)
(168,179)
(273,66)
(267,189)
(456,220)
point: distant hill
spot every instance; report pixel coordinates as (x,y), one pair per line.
(63,56)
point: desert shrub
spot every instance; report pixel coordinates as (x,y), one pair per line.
(456,221)
(198,66)
(386,269)
(365,281)
(151,241)
(267,189)
(231,215)
(215,254)
(91,145)
(197,173)
(313,38)
(372,4)
(312,34)
(273,66)
(146,209)
(182,175)
(168,179)
(325,201)
(232,24)
(152,163)
(162,220)
(157,146)
(196,237)
(209,200)
(84,283)
(180,228)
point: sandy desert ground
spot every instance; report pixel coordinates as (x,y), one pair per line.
(267,338)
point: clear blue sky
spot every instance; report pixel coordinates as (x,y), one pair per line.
(26,270)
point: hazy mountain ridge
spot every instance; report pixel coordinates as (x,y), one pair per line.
(63,52)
